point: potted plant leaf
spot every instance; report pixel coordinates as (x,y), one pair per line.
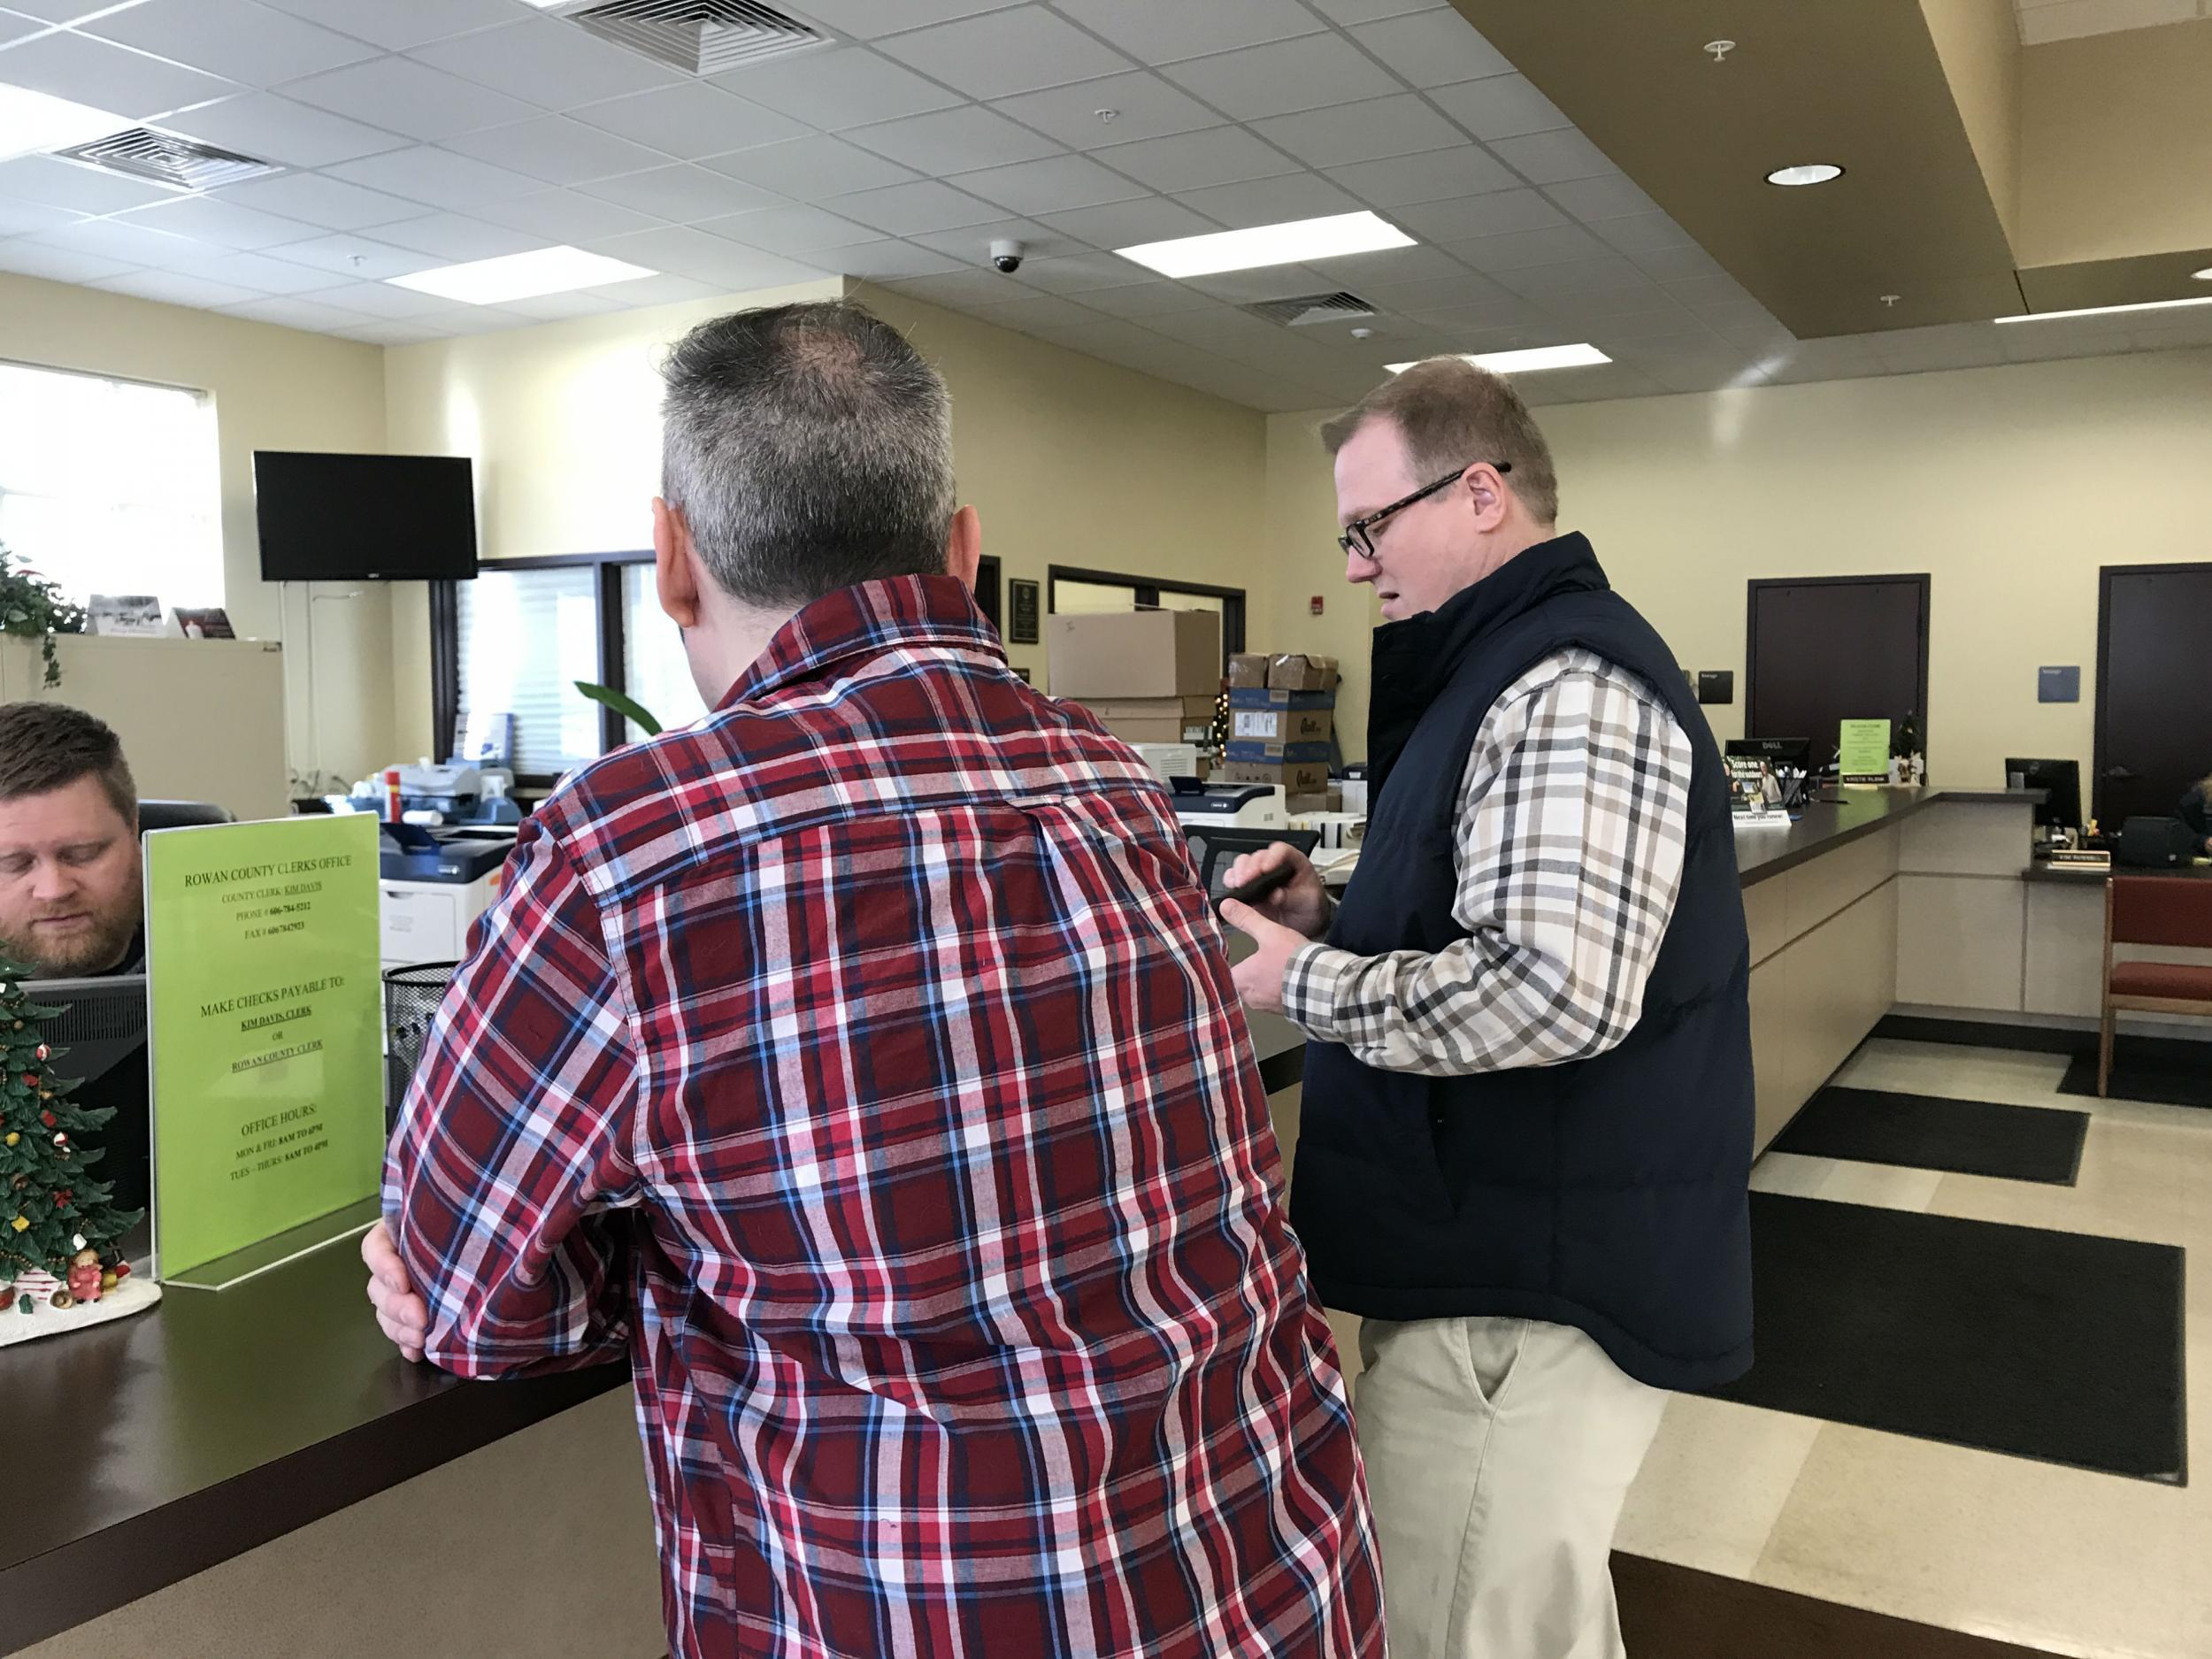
(32,608)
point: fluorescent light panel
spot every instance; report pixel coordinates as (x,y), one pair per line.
(522,276)
(1268,244)
(31,121)
(2102,310)
(1530,361)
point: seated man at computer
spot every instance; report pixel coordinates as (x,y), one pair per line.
(70,901)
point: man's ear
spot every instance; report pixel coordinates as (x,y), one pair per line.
(964,546)
(1486,490)
(675,566)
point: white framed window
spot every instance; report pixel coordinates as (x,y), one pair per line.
(525,638)
(112,487)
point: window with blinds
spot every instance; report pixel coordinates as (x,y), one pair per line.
(526,637)
(653,659)
(112,487)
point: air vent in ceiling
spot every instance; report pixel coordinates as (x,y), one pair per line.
(1303,310)
(165,158)
(701,37)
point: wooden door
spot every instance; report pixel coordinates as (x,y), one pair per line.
(2154,666)
(1821,650)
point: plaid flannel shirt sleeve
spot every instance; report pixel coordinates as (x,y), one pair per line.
(508,1182)
(1568,856)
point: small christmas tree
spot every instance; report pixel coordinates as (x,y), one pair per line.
(58,1228)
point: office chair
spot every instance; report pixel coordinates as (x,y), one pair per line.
(166,815)
(2163,910)
(1214,849)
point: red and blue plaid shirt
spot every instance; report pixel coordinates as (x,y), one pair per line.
(864,1060)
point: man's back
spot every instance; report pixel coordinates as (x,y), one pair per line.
(966,1316)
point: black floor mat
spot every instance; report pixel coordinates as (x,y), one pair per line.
(2054,1345)
(2172,1074)
(1931,1132)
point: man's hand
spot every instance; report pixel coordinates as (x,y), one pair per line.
(1301,903)
(1259,977)
(401,1314)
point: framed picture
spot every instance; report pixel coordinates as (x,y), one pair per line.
(1024,629)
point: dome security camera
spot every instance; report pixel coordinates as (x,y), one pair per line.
(1006,258)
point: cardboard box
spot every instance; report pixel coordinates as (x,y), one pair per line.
(1298,804)
(1248,669)
(1280,754)
(1152,719)
(1135,653)
(1281,725)
(1296,671)
(1260,697)
(1307,781)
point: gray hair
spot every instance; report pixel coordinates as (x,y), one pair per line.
(809,448)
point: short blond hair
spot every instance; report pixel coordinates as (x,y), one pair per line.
(1451,413)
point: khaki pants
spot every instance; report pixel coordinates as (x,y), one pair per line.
(1498,1453)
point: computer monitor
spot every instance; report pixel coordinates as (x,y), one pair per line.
(1776,751)
(2061,783)
(98,1040)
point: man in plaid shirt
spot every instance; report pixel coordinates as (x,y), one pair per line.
(862,1061)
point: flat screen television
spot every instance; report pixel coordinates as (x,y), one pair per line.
(363,518)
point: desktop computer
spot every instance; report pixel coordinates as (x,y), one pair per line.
(2059,815)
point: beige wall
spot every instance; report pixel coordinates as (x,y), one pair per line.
(2011,486)
(1069,460)
(274,388)
(1978,43)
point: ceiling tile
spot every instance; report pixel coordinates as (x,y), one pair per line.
(903,210)
(385,299)
(1433,48)
(1143,106)
(57,265)
(880,260)
(397,24)
(318,199)
(58,11)
(1191,161)
(1264,282)
(109,77)
(962,288)
(1552,157)
(1504,106)
(681,194)
(1390,266)
(1601,274)
(440,177)
(548,61)
(120,239)
(1642,233)
(1346,133)
(556,150)
(867,19)
(14,27)
(1673,264)
(290,313)
(408,97)
(566,215)
(1163,31)
(457,237)
(1271,201)
(359,258)
(20,218)
(1288,76)
(1044,310)
(1495,214)
(385,332)
(1109,338)
(971,244)
(847,85)
(658,290)
(225,223)
(682,250)
(171,289)
(1525,248)
(954,140)
(1349,12)
(84,189)
(1004,53)
(690,120)
(794,229)
(233,38)
(808,169)
(1056,182)
(1712,290)
(1129,223)
(258,271)
(1456,292)
(1433,176)
(1154,297)
(555,307)
(1609,195)
(278,129)
(1083,273)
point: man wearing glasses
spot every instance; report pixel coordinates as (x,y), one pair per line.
(1527,1127)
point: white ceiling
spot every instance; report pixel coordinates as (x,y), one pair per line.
(2043,20)
(416,132)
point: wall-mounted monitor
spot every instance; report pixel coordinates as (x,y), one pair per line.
(363,518)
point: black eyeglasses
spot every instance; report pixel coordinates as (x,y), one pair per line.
(1359,535)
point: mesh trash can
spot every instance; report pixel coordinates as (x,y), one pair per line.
(411,995)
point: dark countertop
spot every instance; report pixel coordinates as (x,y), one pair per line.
(1824,827)
(2083,875)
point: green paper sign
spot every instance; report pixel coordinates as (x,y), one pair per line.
(266,1029)
(1862,751)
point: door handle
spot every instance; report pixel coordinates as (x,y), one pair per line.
(2119,774)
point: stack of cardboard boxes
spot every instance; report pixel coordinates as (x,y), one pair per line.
(1150,676)
(1281,712)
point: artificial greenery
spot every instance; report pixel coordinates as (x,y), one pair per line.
(32,608)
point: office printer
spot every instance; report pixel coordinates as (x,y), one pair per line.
(431,884)
(1228,805)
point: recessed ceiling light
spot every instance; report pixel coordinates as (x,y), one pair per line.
(1268,244)
(33,121)
(1529,361)
(2101,311)
(1808,173)
(522,276)
(2204,275)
